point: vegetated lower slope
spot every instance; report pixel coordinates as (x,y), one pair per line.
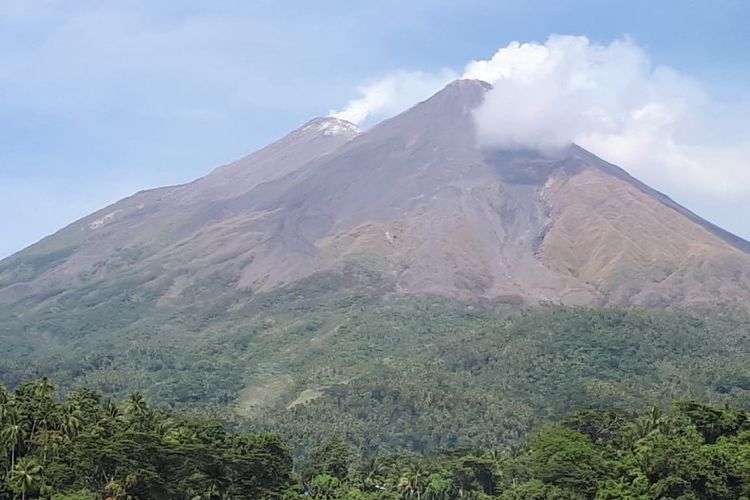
(85,448)
(391,372)
(692,451)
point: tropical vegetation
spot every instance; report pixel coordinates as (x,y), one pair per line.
(388,373)
(85,448)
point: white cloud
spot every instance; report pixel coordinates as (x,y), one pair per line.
(655,122)
(393,94)
(610,100)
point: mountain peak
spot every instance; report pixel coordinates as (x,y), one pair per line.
(332,126)
(469,83)
(443,119)
(468,92)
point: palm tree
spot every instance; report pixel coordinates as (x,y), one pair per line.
(137,413)
(112,413)
(137,404)
(46,419)
(12,435)
(24,475)
(371,472)
(211,492)
(164,426)
(44,388)
(50,442)
(4,402)
(413,480)
(71,421)
(639,429)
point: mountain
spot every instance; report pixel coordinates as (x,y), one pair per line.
(415,200)
(402,286)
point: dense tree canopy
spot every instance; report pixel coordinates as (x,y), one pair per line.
(387,374)
(693,451)
(84,448)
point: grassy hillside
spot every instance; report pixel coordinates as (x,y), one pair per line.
(336,355)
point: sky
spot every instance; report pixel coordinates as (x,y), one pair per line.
(101,99)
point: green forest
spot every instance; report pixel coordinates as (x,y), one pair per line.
(324,391)
(389,373)
(86,448)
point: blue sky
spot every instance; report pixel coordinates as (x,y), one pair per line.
(101,99)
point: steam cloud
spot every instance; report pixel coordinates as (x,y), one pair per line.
(393,94)
(657,123)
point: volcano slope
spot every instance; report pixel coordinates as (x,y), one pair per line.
(390,284)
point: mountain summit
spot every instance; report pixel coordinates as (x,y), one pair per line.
(415,201)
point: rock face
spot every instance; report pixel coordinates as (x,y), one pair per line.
(414,200)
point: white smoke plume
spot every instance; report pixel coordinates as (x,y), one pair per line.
(393,94)
(609,99)
(657,123)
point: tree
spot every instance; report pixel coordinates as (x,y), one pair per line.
(49,442)
(13,435)
(24,476)
(72,421)
(44,389)
(413,480)
(598,425)
(711,421)
(331,457)
(369,473)
(325,487)
(566,459)
(137,405)
(438,488)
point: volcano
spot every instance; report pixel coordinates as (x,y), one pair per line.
(414,200)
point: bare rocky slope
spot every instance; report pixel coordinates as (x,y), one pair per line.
(414,200)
